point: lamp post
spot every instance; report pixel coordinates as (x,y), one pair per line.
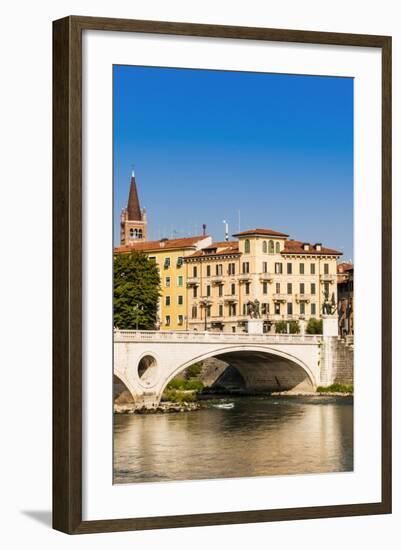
(205,303)
(137,308)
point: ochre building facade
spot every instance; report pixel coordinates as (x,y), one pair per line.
(290,280)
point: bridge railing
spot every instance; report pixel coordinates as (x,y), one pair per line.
(206,337)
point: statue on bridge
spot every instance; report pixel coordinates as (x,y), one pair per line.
(253,309)
(329,306)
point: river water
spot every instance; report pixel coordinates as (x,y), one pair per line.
(258,437)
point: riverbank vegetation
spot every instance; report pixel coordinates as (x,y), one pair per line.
(194,371)
(182,390)
(177,396)
(336,388)
(185,385)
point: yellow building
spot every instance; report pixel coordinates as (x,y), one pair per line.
(169,255)
(288,279)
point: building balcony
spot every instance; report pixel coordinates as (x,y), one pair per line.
(244,277)
(303,298)
(230,298)
(205,301)
(266,277)
(193,281)
(217,279)
(216,318)
(279,297)
(328,278)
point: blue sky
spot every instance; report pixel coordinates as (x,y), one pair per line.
(208,144)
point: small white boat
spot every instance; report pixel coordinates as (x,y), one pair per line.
(224,406)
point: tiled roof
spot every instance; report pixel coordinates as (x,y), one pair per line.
(167,244)
(344,267)
(221,244)
(297,247)
(259,231)
(233,249)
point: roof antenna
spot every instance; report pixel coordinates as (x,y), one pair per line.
(132,171)
(239,221)
(204,229)
(225,230)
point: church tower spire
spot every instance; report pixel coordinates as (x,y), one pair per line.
(133,208)
(133,218)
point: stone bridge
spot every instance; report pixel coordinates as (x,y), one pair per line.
(145,361)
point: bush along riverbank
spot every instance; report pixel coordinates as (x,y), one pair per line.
(181,395)
(347,389)
(334,390)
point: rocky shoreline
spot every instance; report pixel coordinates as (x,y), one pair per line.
(164,407)
(207,401)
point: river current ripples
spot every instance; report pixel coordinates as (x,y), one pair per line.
(257,437)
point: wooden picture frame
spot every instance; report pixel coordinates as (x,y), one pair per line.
(67,274)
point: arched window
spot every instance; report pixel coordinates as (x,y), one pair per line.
(131,232)
(139,233)
(277,248)
(271,247)
(264,247)
(247,246)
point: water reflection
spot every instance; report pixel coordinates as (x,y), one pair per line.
(269,436)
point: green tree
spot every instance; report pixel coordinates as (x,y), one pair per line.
(314,326)
(193,371)
(136,291)
(283,327)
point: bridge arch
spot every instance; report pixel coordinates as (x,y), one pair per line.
(123,392)
(262,367)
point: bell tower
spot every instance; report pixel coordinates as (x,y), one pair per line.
(133,218)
